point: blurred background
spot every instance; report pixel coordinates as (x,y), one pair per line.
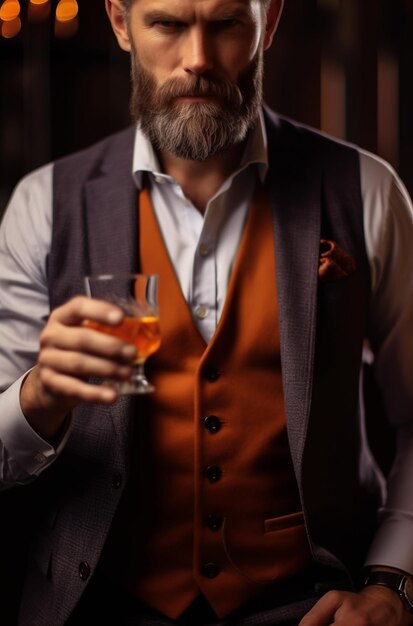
(344,66)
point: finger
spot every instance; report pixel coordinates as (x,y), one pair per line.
(83,365)
(86,340)
(323,612)
(75,389)
(80,308)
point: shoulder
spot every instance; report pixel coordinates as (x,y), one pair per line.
(114,149)
(301,136)
(377,176)
(31,198)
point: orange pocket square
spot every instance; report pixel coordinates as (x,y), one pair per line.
(335,263)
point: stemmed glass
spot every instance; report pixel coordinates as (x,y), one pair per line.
(137,296)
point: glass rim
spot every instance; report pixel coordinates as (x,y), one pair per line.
(124,275)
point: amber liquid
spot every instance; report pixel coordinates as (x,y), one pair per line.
(142,332)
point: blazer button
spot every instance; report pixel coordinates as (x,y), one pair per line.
(214,522)
(84,570)
(211,373)
(213,473)
(210,570)
(117,481)
(213,423)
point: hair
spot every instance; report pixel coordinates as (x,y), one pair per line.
(126,4)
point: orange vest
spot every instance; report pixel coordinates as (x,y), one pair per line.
(220,506)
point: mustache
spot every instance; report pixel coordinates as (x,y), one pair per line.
(200,86)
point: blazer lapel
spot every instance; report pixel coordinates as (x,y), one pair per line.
(111,212)
(112,233)
(294,181)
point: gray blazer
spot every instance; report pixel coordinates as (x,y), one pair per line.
(314,184)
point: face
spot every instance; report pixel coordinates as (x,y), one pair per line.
(196,72)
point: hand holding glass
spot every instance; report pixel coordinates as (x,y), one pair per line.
(137,296)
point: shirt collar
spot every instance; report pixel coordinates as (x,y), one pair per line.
(256,152)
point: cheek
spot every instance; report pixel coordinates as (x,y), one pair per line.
(237,60)
(157,58)
(239,52)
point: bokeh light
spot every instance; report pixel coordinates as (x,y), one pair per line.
(66,16)
(66,10)
(11,28)
(9,10)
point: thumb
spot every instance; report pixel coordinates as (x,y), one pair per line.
(323,612)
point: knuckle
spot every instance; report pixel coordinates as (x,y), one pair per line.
(43,358)
(45,337)
(77,364)
(334,596)
(47,377)
(78,300)
(110,369)
(80,341)
(80,304)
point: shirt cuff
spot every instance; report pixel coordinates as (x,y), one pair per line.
(393,545)
(23,445)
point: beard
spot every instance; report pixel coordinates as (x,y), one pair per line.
(198,130)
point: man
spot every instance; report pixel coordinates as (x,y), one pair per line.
(242,491)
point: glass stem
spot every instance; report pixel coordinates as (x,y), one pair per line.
(138,371)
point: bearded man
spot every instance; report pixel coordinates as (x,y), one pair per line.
(243,491)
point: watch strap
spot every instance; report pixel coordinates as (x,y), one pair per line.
(392,580)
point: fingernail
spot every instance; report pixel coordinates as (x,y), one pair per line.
(108,394)
(114,317)
(128,351)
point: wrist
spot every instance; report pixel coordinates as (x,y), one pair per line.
(394,580)
(44,414)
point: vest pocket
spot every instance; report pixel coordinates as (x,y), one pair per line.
(275,524)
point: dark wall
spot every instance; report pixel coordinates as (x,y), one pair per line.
(340,65)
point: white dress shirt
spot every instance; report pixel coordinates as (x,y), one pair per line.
(202,250)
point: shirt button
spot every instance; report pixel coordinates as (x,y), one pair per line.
(214,522)
(211,373)
(84,570)
(210,570)
(201,312)
(213,423)
(203,249)
(213,473)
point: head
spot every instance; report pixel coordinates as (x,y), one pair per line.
(197,68)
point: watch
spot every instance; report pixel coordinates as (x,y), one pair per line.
(402,584)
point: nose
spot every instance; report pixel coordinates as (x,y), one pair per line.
(197,57)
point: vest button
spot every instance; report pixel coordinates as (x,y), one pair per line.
(84,570)
(117,481)
(213,473)
(214,522)
(210,570)
(213,423)
(211,373)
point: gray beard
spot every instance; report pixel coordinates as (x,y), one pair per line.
(200,130)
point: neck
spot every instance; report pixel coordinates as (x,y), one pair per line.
(200,180)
